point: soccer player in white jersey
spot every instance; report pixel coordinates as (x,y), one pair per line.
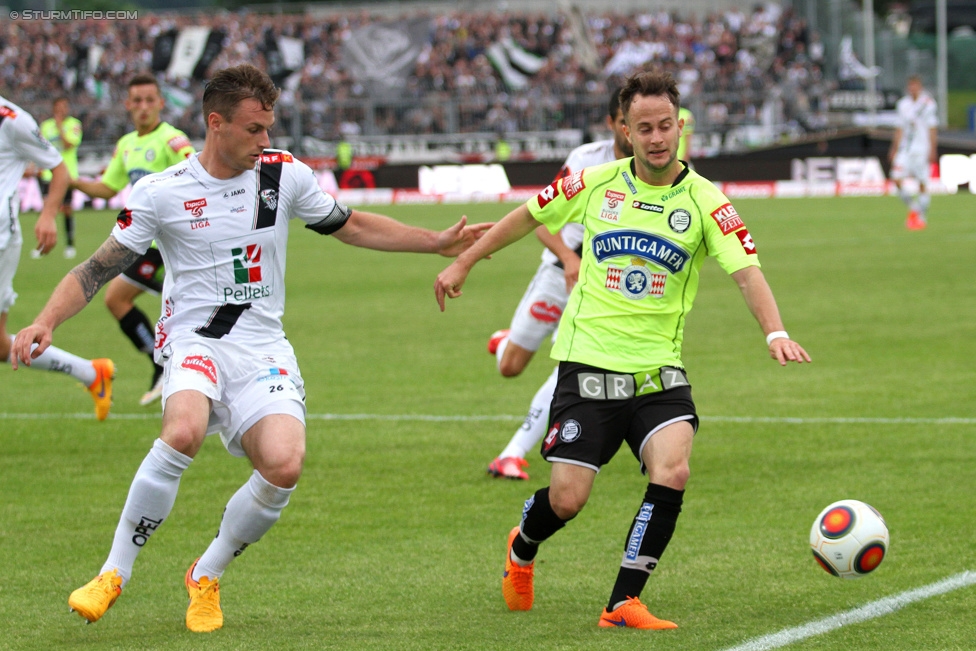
(21,143)
(537,315)
(220,220)
(914,149)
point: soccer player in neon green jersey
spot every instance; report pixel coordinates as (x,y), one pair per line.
(151,148)
(64,132)
(649,223)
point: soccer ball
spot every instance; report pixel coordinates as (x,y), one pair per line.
(849,539)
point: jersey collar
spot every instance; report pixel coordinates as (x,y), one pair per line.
(681,175)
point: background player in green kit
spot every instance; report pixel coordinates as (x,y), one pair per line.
(64,132)
(151,148)
(649,223)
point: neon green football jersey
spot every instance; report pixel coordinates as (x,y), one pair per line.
(68,145)
(138,156)
(643,248)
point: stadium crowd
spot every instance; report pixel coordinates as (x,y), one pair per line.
(731,66)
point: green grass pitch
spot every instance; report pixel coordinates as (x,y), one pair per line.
(395,537)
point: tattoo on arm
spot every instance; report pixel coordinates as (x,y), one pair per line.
(106,263)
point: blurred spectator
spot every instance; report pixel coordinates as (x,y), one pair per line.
(733,58)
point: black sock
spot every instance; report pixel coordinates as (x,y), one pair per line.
(539,523)
(650,533)
(69,228)
(135,324)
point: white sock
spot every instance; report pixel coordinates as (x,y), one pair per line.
(253,509)
(61,361)
(500,351)
(534,426)
(906,198)
(924,200)
(151,498)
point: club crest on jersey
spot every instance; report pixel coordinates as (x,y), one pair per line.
(195,207)
(727,218)
(613,278)
(612,204)
(652,248)
(573,184)
(151,155)
(747,244)
(637,282)
(679,220)
(269,197)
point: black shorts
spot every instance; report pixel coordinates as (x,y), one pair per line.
(587,431)
(147,272)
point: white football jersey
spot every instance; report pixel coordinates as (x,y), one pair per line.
(20,142)
(224,242)
(915,118)
(592,153)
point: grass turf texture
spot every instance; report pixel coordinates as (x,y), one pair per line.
(395,537)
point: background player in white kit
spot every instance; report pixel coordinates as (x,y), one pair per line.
(914,148)
(537,315)
(220,220)
(21,143)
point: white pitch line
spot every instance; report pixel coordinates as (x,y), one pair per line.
(461,418)
(872,610)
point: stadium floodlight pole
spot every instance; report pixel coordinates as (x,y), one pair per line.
(941,62)
(867,17)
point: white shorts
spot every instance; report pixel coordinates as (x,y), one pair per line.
(909,164)
(541,307)
(244,385)
(9,259)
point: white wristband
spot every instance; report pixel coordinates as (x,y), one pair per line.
(779,334)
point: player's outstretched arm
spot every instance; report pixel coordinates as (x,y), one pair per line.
(372,231)
(762,304)
(46,228)
(96,189)
(70,296)
(513,227)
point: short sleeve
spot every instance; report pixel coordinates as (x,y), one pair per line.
(178,147)
(29,143)
(555,207)
(114,176)
(320,211)
(137,223)
(726,236)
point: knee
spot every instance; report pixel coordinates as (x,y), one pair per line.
(566,504)
(183,438)
(673,476)
(4,347)
(287,472)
